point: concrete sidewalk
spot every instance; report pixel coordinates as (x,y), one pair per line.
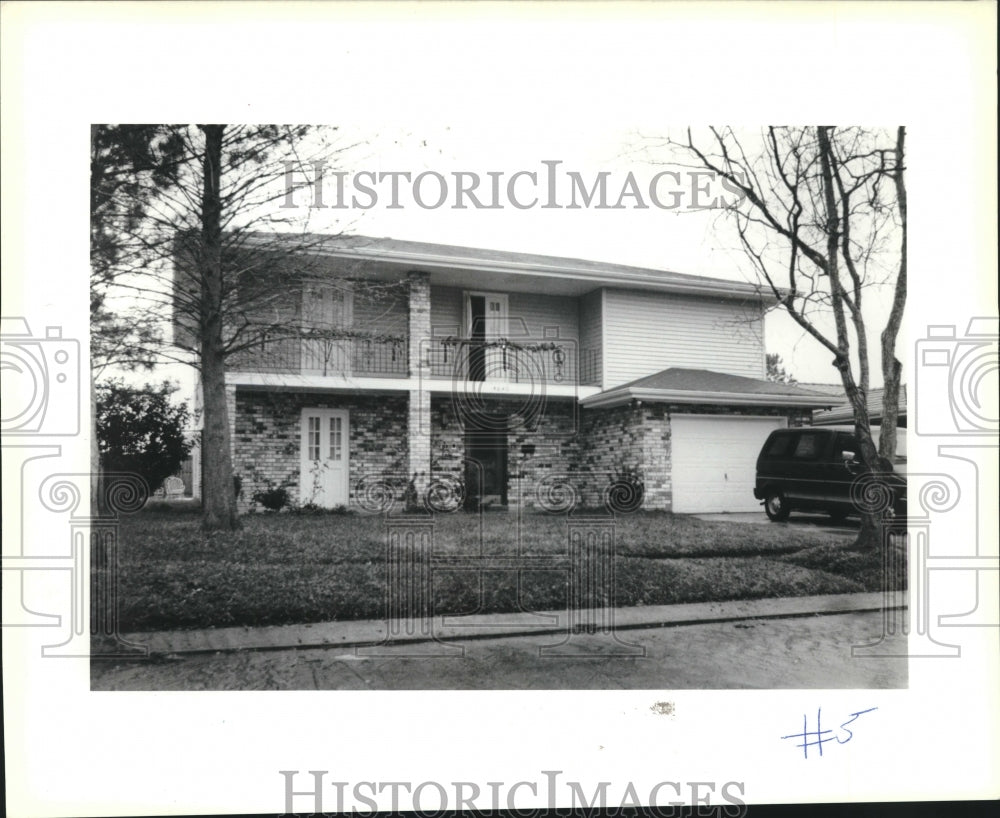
(453,628)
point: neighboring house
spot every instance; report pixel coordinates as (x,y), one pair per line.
(843,413)
(509,378)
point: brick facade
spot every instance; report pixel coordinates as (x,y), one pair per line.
(542,441)
(268,434)
(548,443)
(614,440)
(419,404)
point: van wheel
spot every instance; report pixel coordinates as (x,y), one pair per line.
(776,508)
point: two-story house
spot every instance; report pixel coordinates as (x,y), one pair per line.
(506,378)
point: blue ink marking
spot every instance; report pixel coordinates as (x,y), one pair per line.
(819,735)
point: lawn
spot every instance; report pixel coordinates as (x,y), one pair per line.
(290,568)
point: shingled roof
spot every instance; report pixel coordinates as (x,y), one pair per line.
(843,413)
(428,256)
(681,385)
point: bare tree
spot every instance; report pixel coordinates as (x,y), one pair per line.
(822,217)
(209,249)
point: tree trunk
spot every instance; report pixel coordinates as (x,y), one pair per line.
(870,534)
(891,367)
(96,478)
(218,493)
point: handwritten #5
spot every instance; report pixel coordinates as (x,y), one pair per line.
(819,736)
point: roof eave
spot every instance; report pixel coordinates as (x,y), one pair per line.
(429,261)
(722,289)
(618,397)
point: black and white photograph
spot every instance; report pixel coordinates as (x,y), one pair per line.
(467,378)
(397,446)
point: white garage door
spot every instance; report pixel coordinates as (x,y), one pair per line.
(714,461)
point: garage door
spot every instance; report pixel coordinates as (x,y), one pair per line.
(714,461)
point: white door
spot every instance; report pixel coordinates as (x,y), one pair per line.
(496,328)
(714,461)
(491,326)
(325,308)
(323,478)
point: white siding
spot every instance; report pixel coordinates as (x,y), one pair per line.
(379,312)
(647,332)
(528,312)
(541,313)
(590,332)
(446,311)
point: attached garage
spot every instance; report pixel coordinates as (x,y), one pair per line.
(713,460)
(694,434)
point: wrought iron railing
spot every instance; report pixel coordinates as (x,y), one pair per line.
(513,361)
(359,357)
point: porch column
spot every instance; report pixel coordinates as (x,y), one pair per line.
(654,446)
(419,420)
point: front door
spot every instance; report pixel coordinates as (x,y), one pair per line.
(486,469)
(325,459)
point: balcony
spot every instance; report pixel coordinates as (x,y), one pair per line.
(355,357)
(543,361)
(522,362)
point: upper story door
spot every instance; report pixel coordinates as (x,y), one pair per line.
(325,309)
(487,322)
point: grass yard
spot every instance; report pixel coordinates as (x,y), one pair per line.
(282,569)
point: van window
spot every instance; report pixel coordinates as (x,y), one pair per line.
(846,442)
(809,446)
(779,445)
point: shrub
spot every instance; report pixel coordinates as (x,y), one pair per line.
(139,430)
(274,499)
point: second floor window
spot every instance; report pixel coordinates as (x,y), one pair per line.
(325,306)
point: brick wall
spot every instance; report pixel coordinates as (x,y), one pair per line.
(614,439)
(418,452)
(447,439)
(266,451)
(548,427)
